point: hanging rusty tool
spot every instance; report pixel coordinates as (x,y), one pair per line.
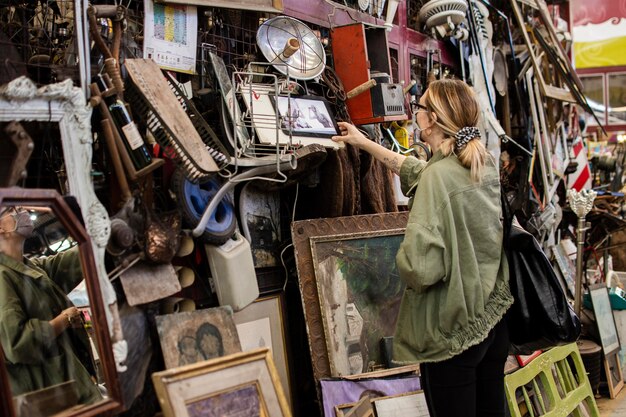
(117,15)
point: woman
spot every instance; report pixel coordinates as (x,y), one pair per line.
(41,332)
(451,259)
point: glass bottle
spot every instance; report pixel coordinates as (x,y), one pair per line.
(134,143)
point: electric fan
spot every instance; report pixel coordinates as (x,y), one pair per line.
(439,12)
(292,46)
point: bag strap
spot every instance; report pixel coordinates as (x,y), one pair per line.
(507,217)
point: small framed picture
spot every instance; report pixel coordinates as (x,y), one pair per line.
(605,321)
(261,324)
(306,116)
(613,371)
(241,384)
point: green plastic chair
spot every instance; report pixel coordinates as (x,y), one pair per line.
(549,386)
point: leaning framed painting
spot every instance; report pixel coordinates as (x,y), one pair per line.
(241,384)
(347,276)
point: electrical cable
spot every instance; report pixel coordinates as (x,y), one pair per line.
(293,217)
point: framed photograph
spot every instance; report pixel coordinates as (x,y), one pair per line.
(306,116)
(614,376)
(241,384)
(412,404)
(262,324)
(342,394)
(270,126)
(194,336)
(336,252)
(605,321)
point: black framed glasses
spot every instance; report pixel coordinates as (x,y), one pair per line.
(416,106)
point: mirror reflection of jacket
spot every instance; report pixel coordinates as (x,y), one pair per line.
(31,294)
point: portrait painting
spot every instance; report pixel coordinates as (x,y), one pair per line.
(360,292)
(194,336)
(236,385)
(350,297)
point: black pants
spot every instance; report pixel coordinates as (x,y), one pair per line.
(470,384)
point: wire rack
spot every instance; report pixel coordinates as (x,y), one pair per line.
(37,39)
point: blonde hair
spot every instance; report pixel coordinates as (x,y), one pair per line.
(456,107)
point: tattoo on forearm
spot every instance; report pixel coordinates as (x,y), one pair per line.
(392,164)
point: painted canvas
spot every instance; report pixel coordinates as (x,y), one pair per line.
(360,292)
(194,336)
(340,246)
(237,402)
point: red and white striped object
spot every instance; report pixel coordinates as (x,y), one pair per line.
(581,178)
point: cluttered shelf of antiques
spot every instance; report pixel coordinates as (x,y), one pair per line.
(226,241)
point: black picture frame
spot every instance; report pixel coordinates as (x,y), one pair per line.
(312,116)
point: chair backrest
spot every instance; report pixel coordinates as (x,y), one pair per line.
(554,384)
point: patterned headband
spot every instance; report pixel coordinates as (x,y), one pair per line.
(464,135)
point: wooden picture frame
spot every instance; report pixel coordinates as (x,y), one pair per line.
(51,199)
(613,372)
(305,235)
(607,331)
(244,382)
(265,319)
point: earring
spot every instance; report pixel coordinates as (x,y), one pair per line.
(428,131)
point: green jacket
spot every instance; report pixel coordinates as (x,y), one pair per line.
(31,294)
(451,260)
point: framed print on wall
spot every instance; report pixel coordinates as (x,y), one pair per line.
(262,324)
(352,234)
(239,384)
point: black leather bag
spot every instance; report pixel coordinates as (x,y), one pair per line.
(540,317)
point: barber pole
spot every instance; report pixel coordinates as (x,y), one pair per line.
(581,178)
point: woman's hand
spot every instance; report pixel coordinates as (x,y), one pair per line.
(72,316)
(348,133)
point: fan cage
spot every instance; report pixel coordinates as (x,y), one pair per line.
(437,12)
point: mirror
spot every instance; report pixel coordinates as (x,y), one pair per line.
(62,108)
(57,354)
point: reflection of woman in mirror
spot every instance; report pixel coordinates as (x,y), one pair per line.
(41,331)
(209,340)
